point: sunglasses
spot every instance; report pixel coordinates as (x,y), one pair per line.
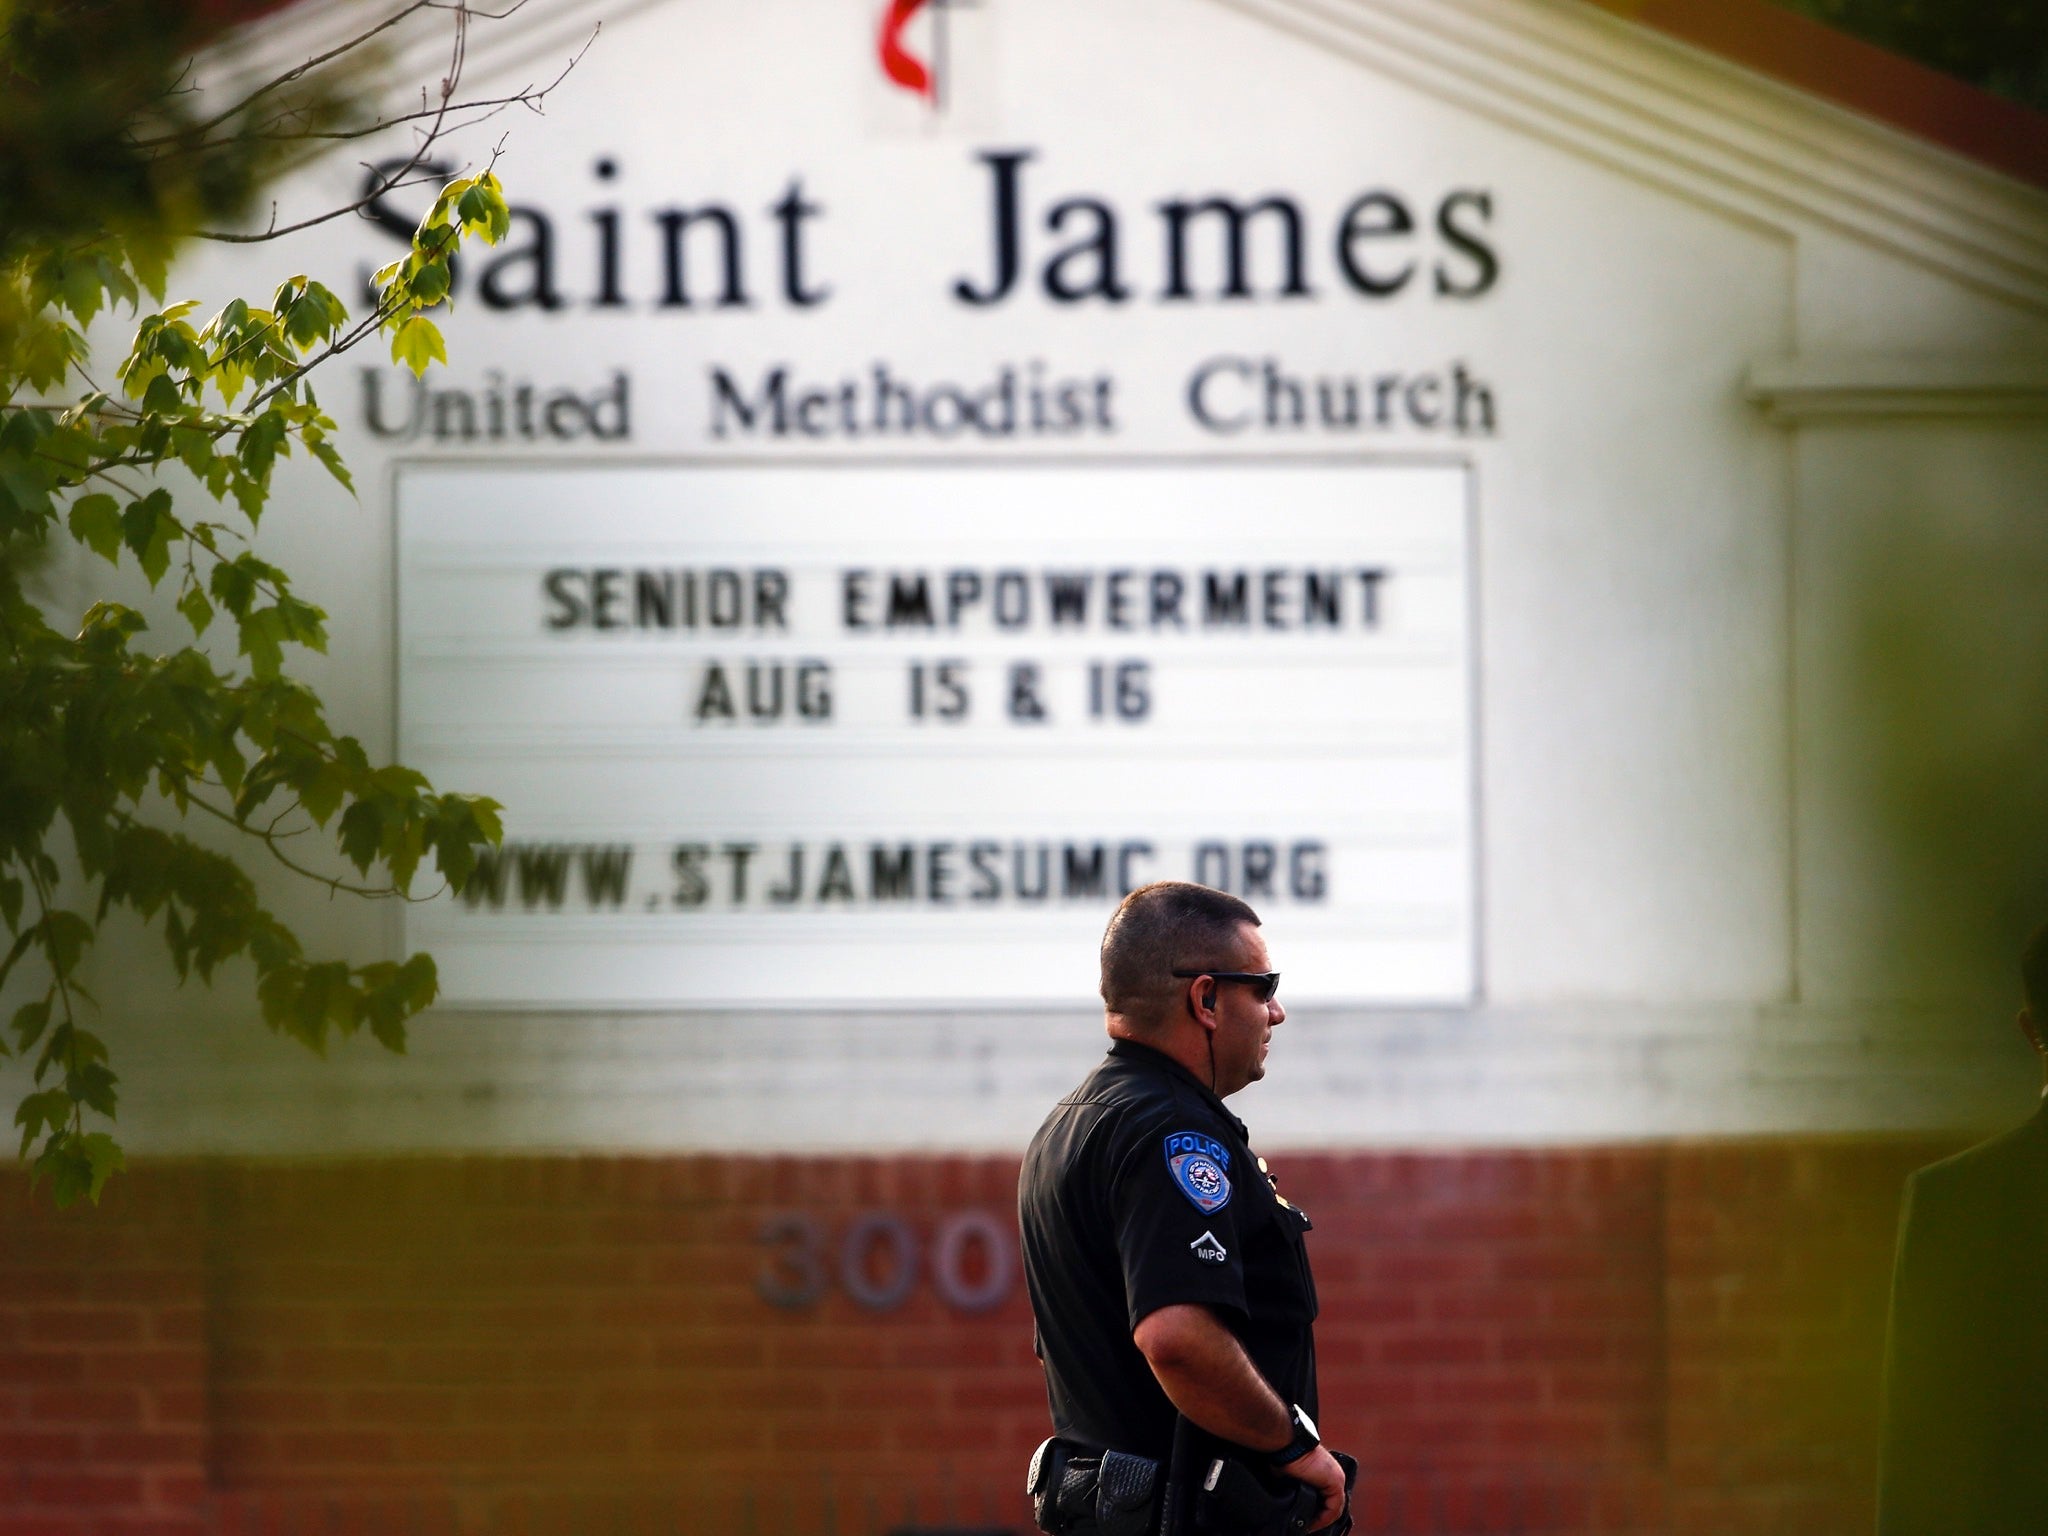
(1263,983)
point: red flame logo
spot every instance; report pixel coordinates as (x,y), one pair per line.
(898,63)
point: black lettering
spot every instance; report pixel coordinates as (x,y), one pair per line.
(1025,704)
(836,883)
(543,870)
(714,695)
(1486,266)
(1198,394)
(772,406)
(453,414)
(1308,875)
(853,599)
(1471,395)
(605,599)
(892,872)
(910,601)
(814,690)
(1321,595)
(736,857)
(790,213)
(1012,599)
(988,881)
(1234,217)
(564,415)
(1259,860)
(1029,889)
(654,599)
(607,222)
(568,610)
(1095,252)
(963,590)
(675,282)
(1167,589)
(1116,599)
(1374,216)
(1273,599)
(938,873)
(537,256)
(1084,872)
(764,690)
(771,590)
(1226,599)
(691,889)
(722,597)
(792,886)
(1369,581)
(606,870)
(373,415)
(1004,168)
(1432,386)
(1067,595)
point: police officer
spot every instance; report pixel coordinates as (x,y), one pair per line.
(1168,1278)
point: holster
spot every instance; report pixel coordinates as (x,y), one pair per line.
(1238,1499)
(1078,1492)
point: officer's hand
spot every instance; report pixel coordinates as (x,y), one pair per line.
(1320,1471)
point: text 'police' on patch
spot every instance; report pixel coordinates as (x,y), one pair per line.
(1200,1166)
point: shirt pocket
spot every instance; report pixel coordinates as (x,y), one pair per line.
(1294,1226)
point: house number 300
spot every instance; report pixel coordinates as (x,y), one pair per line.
(876,1261)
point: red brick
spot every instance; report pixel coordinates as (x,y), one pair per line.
(86,1405)
(76,1488)
(40,1523)
(86,1325)
(40,1445)
(41,1367)
(119,1447)
(144,1367)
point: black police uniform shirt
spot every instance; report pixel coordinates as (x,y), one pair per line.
(1140,1192)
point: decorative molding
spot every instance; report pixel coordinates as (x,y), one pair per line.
(1792,390)
(1675,116)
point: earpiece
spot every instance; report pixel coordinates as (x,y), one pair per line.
(1209,1000)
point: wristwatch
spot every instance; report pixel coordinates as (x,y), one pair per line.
(1305,1439)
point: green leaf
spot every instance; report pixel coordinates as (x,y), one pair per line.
(48,1110)
(162,397)
(29,1022)
(65,936)
(417,343)
(430,284)
(261,440)
(95,521)
(104,1159)
(197,610)
(262,632)
(146,528)
(233,585)
(325,452)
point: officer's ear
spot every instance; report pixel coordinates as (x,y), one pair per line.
(1202,1003)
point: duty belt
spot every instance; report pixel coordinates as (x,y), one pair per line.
(1078,1491)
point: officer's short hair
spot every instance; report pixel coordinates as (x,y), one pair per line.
(1160,928)
(2034,973)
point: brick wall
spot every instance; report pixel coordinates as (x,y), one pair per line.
(1667,1340)
(104,1361)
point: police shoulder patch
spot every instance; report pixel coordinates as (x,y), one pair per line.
(1201,1167)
